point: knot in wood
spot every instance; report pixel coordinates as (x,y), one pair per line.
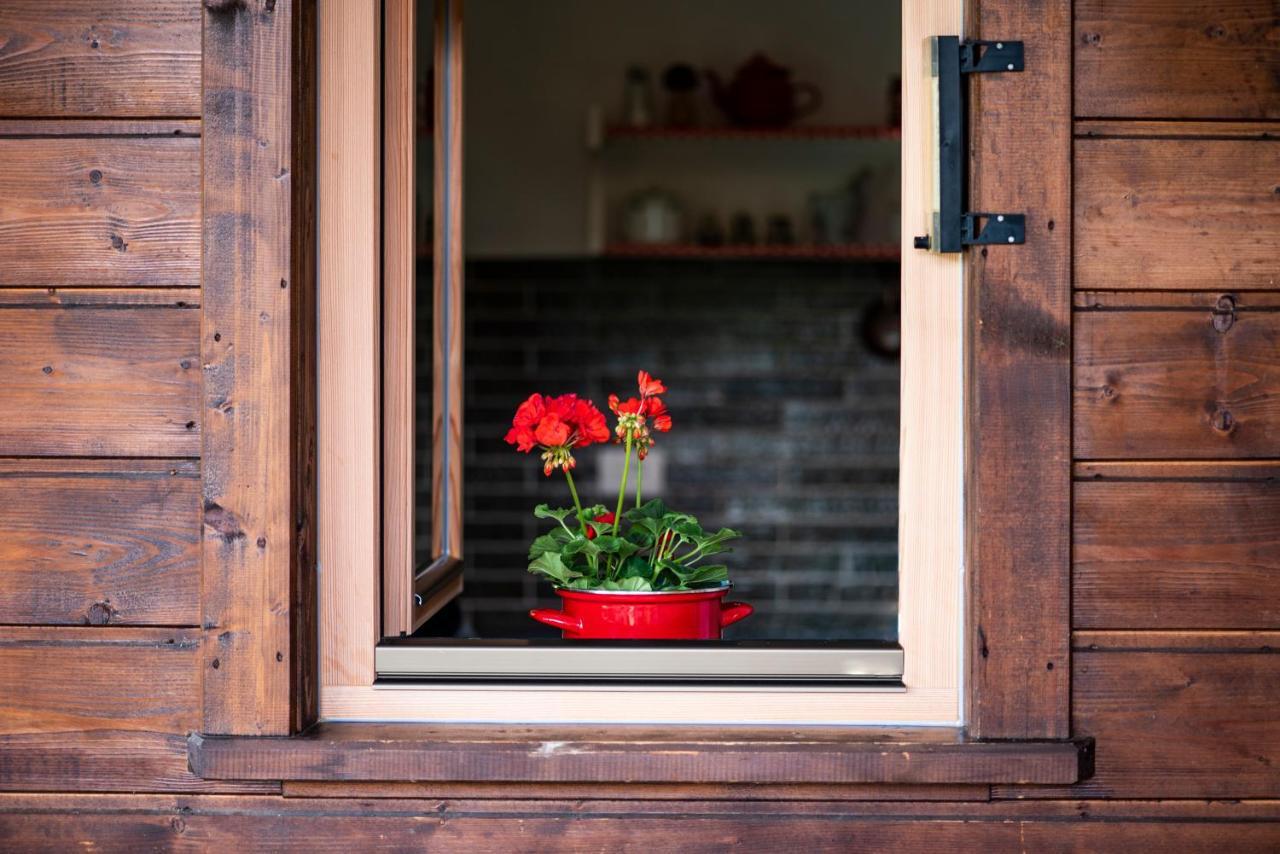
(1222,420)
(1224,313)
(99,614)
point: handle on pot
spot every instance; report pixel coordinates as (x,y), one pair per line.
(732,612)
(558,619)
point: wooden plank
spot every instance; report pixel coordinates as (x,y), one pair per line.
(1151,384)
(89,128)
(1167,554)
(1177,59)
(99,382)
(1019,374)
(632,754)
(1204,301)
(106,761)
(102,212)
(87,58)
(349,177)
(637,791)
(59,679)
(1176,715)
(1131,129)
(110,822)
(113,297)
(99,542)
(1176,214)
(1184,470)
(399,280)
(258,350)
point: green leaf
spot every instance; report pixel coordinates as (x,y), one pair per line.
(634,583)
(551,565)
(640,538)
(689,528)
(652,509)
(635,567)
(616,546)
(543,511)
(580,545)
(544,544)
(707,575)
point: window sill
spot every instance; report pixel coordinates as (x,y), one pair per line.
(635,754)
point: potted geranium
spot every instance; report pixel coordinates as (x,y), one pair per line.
(638,572)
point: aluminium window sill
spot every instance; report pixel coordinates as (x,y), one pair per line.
(458,753)
(829,665)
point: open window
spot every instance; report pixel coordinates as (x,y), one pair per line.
(757,267)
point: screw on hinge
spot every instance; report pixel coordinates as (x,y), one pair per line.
(1224,313)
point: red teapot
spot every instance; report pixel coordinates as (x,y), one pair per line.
(762,94)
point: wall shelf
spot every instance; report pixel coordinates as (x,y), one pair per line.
(880,252)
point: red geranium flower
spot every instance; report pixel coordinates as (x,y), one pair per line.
(556,424)
(634,414)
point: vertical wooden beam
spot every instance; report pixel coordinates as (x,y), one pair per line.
(931,474)
(1019,406)
(256,344)
(399,274)
(349,131)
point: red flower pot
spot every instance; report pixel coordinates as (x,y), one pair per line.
(669,615)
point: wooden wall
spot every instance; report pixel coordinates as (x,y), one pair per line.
(1176,495)
(100,387)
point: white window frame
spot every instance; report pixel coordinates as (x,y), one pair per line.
(931,488)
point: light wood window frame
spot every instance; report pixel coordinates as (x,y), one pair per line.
(356,427)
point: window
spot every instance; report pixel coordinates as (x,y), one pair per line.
(367,488)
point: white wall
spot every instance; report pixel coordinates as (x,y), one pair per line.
(534,67)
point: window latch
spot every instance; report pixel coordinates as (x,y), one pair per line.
(953,227)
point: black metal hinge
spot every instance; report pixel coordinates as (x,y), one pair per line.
(953,227)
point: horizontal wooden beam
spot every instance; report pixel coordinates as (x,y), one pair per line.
(407,752)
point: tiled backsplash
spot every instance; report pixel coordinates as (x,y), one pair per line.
(786,427)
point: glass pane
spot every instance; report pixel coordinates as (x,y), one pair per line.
(734,233)
(424,317)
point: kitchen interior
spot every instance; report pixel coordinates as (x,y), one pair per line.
(708,190)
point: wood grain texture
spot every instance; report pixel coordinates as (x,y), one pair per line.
(1176,715)
(792,792)
(103,381)
(1176,214)
(100,297)
(39,823)
(121,212)
(350,323)
(106,761)
(399,277)
(90,128)
(1154,550)
(60,679)
(1135,129)
(633,754)
(1177,384)
(88,58)
(1019,374)
(1177,59)
(99,542)
(257,344)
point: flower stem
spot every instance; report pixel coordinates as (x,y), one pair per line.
(622,490)
(576,503)
(639,479)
